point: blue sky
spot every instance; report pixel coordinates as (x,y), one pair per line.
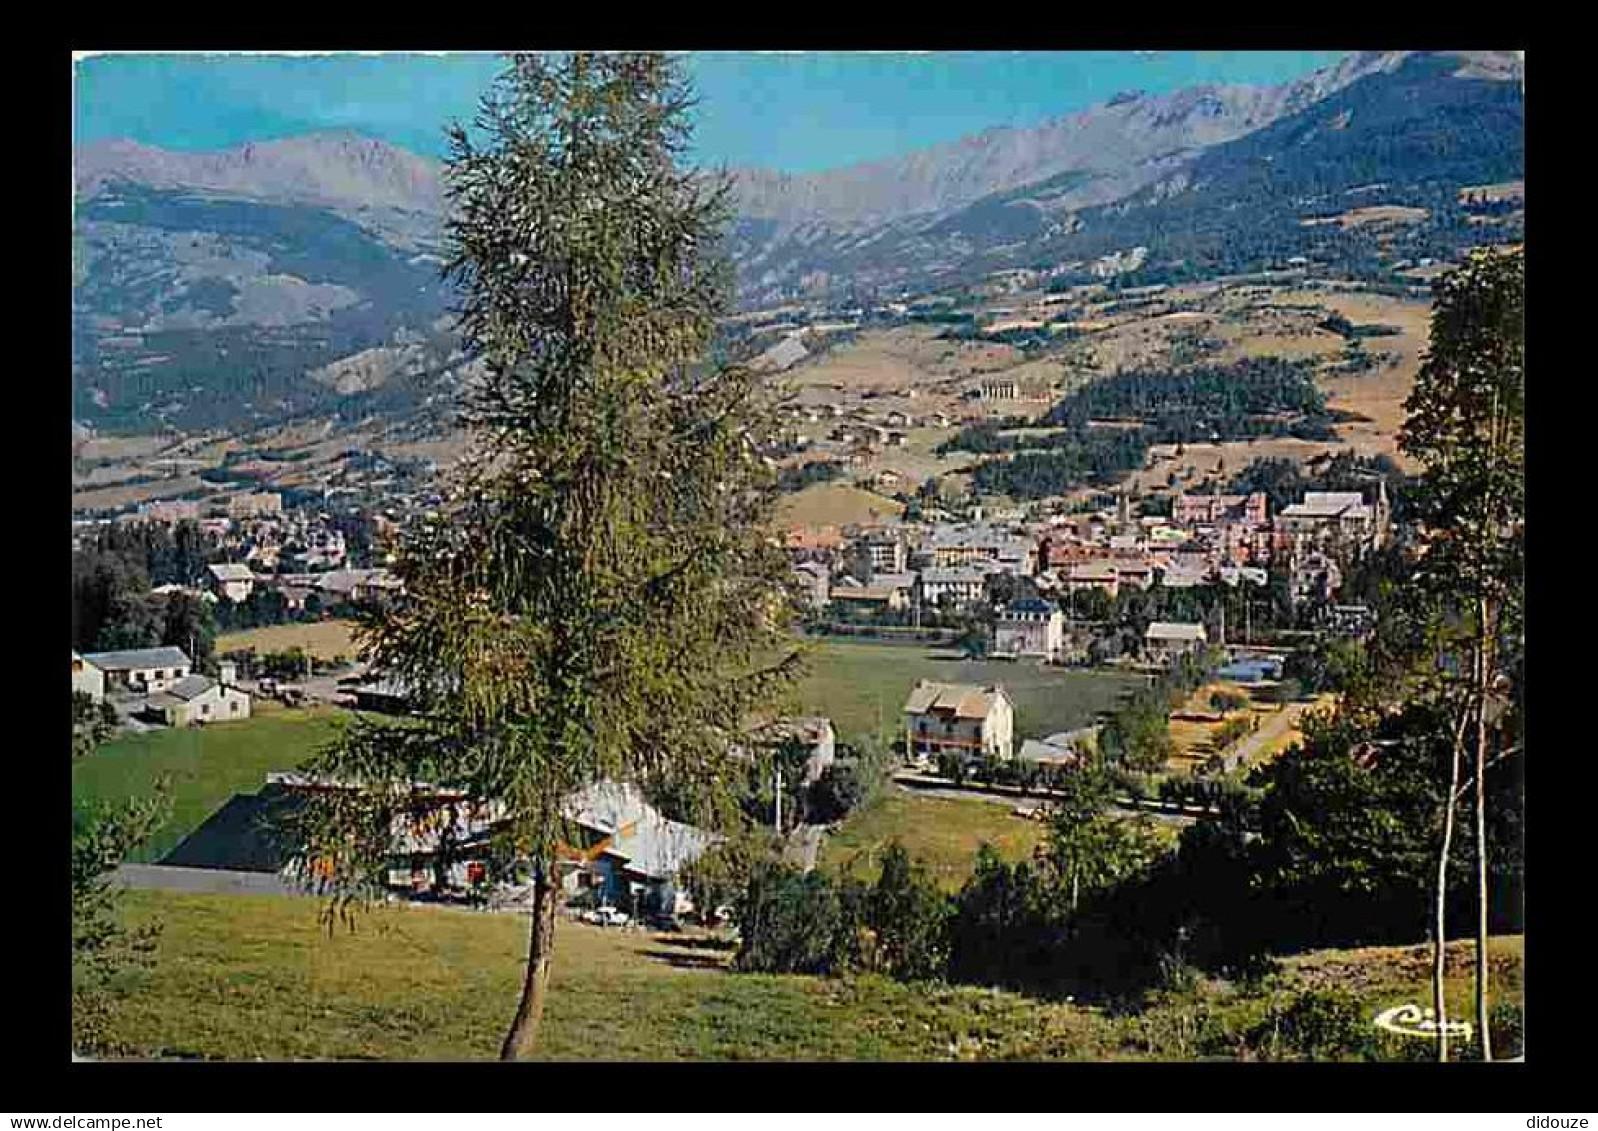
(796,112)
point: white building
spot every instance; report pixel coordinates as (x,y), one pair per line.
(814,732)
(232,581)
(958,718)
(963,586)
(142,669)
(250,505)
(1030,627)
(196,699)
(87,678)
(1344,515)
(886,551)
(1166,639)
(815,582)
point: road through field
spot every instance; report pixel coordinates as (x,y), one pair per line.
(1269,733)
(209,880)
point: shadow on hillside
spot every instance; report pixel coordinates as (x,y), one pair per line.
(688,961)
(697,943)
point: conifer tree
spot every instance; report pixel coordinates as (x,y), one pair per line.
(600,597)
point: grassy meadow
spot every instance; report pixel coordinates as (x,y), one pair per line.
(836,504)
(256,977)
(862,686)
(205,766)
(942,833)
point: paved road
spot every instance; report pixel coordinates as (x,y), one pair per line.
(167,878)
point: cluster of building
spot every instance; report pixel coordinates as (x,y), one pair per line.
(619,850)
(1206,539)
(160,685)
(236,582)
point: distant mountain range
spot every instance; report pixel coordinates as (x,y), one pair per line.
(235,282)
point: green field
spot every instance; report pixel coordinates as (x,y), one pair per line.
(941,833)
(246,977)
(862,686)
(205,766)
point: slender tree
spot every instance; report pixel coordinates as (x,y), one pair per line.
(600,597)
(1466,425)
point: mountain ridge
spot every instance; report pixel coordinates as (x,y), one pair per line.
(351,170)
(204,281)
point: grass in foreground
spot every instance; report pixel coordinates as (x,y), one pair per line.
(206,766)
(254,977)
(941,833)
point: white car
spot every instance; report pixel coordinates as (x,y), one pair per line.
(605,917)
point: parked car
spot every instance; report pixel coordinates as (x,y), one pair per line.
(606,917)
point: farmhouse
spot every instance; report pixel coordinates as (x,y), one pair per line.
(958,718)
(358,584)
(1064,749)
(1164,640)
(632,855)
(142,669)
(1029,627)
(196,699)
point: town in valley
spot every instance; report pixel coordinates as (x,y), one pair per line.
(1103,523)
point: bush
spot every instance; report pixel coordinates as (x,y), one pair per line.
(907,912)
(1508,1025)
(839,791)
(791,922)
(1233,729)
(999,928)
(1226,701)
(1318,1025)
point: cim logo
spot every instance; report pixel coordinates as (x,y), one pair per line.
(1413,1021)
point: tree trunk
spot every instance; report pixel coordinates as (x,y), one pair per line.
(1482,670)
(1440,931)
(523,1035)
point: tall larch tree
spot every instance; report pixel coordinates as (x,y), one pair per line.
(600,597)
